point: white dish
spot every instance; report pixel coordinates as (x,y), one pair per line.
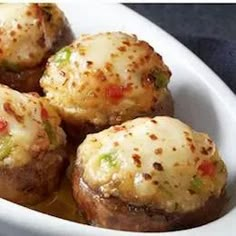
(201,99)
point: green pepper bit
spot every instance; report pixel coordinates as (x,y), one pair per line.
(63,56)
(161,79)
(196,184)
(50,132)
(5,146)
(108,159)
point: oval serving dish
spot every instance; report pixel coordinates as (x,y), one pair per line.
(201,99)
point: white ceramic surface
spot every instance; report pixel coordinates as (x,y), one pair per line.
(201,99)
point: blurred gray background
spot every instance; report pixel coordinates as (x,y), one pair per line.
(207,20)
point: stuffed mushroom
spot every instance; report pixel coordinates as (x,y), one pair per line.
(149,174)
(29,34)
(106,79)
(32,157)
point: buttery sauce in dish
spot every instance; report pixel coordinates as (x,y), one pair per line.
(61,204)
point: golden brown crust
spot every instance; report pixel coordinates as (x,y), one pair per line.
(76,133)
(33,182)
(115,214)
(27,80)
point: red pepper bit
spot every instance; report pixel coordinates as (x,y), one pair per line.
(207,168)
(115,92)
(3,125)
(44,113)
(118,128)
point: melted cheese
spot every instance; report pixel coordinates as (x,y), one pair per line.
(104,79)
(153,162)
(27,33)
(25,126)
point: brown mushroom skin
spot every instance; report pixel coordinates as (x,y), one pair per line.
(114,214)
(23,81)
(34,181)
